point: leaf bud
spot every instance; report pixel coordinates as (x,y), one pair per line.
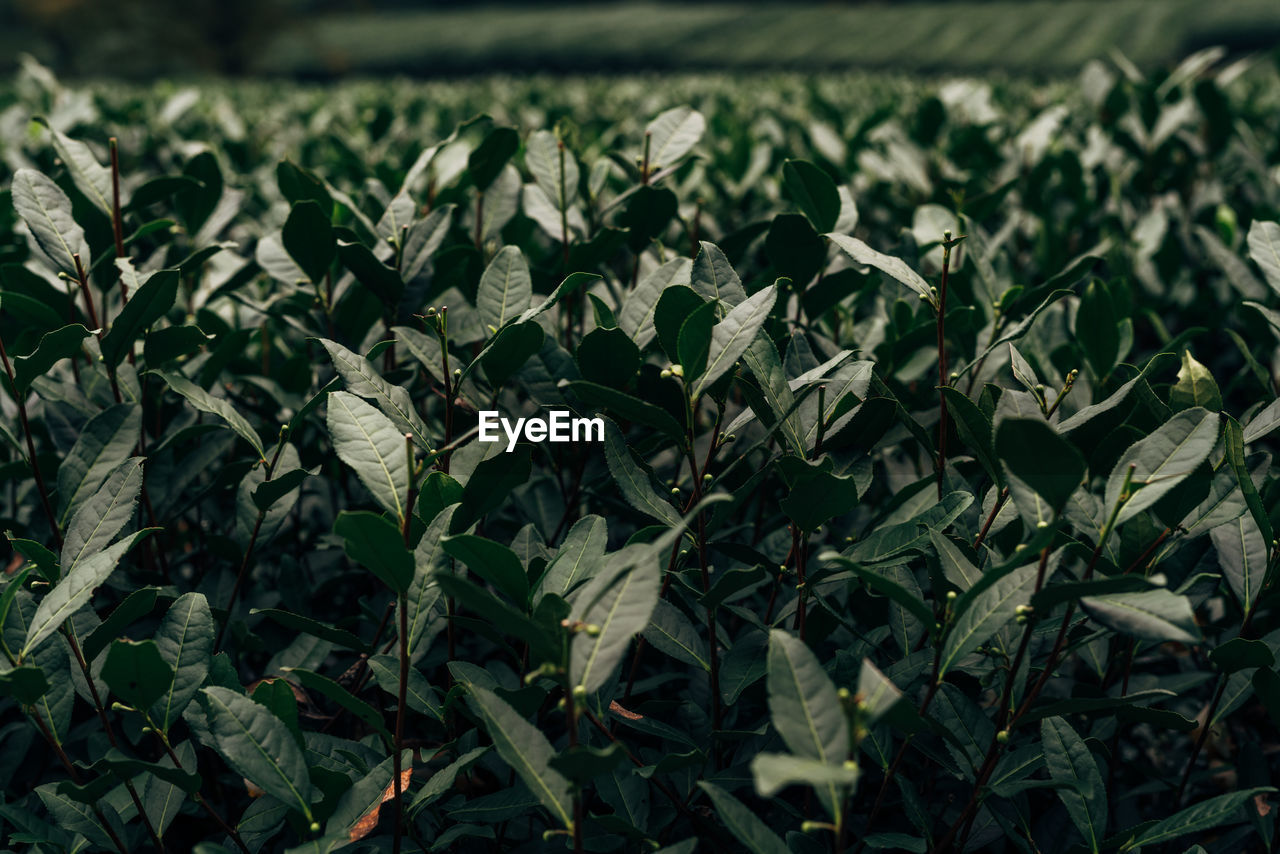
(843,694)
(664,373)
(850,765)
(678,370)
(1003,736)
(706,478)
(315,825)
(457,372)
(951,596)
(579,692)
(675,490)
(731,437)
(431,311)
(810,826)
(592,630)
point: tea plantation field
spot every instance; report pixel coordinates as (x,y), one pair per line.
(934,509)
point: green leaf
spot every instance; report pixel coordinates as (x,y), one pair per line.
(628,408)
(90,177)
(53,347)
(442,781)
(135,606)
(673,634)
(743,823)
(553,167)
(324,685)
(1154,615)
(1242,554)
(1207,814)
(693,345)
(1242,654)
(1081,788)
(608,358)
(713,278)
(382,281)
(487,159)
(363,380)
(26,684)
(883,585)
(267,493)
(378,545)
(258,746)
(308,238)
(1234,436)
(368,442)
(1096,328)
(956,566)
(620,601)
(105,442)
(47,212)
(418,695)
(74,591)
(672,135)
(894,267)
(185,641)
(1162,460)
(1034,454)
(205,402)
(494,562)
(733,335)
(632,480)
(1264,249)
(146,305)
(814,193)
(1195,387)
(507,351)
(365,795)
(136,672)
(877,695)
(506,288)
(578,559)
(804,708)
(97,521)
(773,772)
(523,746)
(978,618)
(974,429)
(315,628)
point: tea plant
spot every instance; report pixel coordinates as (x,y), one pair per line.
(934,508)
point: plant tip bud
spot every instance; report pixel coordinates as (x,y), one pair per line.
(1003,736)
(580,691)
(951,596)
(315,825)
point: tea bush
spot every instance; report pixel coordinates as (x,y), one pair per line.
(933,508)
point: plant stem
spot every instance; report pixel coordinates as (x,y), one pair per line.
(253,539)
(995,511)
(943,373)
(69,633)
(213,814)
(402,603)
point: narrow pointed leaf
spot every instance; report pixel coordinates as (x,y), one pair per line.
(523,746)
(369,443)
(146,305)
(185,640)
(47,212)
(74,591)
(105,442)
(1163,460)
(731,337)
(1081,789)
(258,746)
(364,380)
(103,515)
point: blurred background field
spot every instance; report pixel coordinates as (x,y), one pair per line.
(142,39)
